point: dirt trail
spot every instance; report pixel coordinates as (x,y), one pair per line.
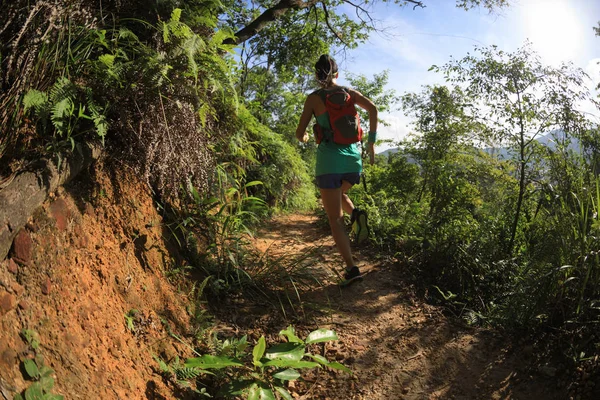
(398,346)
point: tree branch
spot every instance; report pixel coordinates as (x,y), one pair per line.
(359,8)
(269,15)
(416,3)
(329,25)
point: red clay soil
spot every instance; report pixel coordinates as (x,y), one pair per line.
(92,255)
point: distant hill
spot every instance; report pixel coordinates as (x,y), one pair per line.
(549,140)
(388,152)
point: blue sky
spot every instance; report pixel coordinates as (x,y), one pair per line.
(413,40)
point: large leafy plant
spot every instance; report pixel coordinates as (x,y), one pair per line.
(264,373)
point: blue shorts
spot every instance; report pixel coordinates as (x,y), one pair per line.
(334,181)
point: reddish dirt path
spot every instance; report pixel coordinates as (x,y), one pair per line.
(398,346)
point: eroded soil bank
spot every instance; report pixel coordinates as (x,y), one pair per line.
(93,255)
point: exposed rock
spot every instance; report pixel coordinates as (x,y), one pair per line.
(28,191)
(7,303)
(9,357)
(22,247)
(61,213)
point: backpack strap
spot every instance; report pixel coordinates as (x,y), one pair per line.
(323,95)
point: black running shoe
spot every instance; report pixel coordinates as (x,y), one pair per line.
(351,276)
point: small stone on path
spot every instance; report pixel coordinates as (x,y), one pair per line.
(12,266)
(46,286)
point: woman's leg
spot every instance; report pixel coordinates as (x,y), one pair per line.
(347,205)
(332,202)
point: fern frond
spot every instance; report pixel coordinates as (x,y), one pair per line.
(176,15)
(187,373)
(204,111)
(35,99)
(62,89)
(107,60)
(125,33)
(97,115)
(203,286)
(164,368)
(216,41)
(61,111)
(166,33)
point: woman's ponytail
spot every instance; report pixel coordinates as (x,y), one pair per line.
(325,69)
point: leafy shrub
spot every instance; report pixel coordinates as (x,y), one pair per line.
(262,373)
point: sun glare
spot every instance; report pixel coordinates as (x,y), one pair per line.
(553,29)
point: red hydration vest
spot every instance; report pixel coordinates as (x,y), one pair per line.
(343,118)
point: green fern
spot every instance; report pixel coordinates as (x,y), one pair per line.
(35,99)
(62,89)
(62,112)
(187,373)
(217,39)
(126,34)
(163,366)
(99,119)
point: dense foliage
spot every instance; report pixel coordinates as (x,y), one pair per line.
(494,200)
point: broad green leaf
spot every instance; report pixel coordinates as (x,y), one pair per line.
(284,393)
(319,359)
(253,183)
(47,383)
(215,362)
(321,335)
(335,365)
(253,392)
(34,392)
(289,351)
(266,394)
(260,392)
(286,363)
(287,375)
(242,344)
(290,333)
(338,366)
(259,350)
(18,397)
(31,368)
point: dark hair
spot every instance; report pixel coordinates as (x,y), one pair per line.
(326,68)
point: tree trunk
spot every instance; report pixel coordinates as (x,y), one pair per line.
(515,224)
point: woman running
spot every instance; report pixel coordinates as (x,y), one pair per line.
(338,165)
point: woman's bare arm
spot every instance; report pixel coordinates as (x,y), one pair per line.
(307,113)
(370,107)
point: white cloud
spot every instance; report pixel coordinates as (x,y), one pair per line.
(398,129)
(593,70)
